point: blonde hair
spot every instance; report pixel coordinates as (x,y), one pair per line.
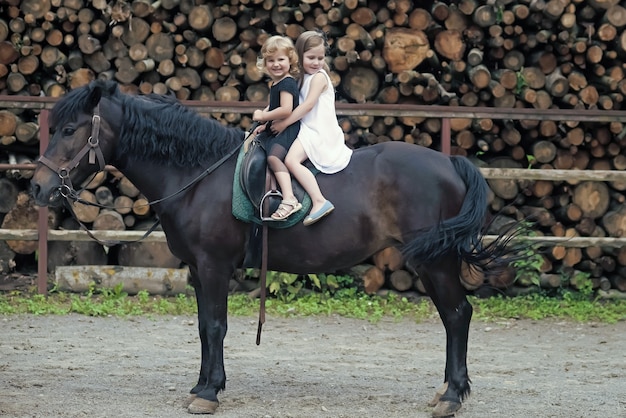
(273,45)
(308,40)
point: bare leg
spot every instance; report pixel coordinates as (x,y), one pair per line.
(282,176)
(295,157)
(284,182)
(289,202)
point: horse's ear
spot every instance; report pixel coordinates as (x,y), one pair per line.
(110,87)
(101,88)
(95,94)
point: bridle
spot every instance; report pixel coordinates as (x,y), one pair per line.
(92,148)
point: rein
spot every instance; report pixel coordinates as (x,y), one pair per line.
(92,147)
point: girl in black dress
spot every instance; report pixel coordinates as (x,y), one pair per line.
(279,60)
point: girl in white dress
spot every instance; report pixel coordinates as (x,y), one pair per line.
(321,139)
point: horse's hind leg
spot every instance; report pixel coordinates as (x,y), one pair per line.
(211,295)
(442,283)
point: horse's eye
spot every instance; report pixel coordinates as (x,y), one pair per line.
(68,131)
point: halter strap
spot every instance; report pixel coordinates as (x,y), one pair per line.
(92,147)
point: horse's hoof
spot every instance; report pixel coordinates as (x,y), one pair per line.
(190,399)
(202,406)
(446,409)
(442,389)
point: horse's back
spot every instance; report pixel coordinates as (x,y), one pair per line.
(419,172)
(387,193)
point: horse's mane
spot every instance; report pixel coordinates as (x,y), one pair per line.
(155,127)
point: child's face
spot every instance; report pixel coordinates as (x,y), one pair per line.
(277,65)
(313,59)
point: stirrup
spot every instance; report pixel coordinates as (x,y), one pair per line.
(270,193)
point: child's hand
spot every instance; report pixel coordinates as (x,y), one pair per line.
(258,130)
(278,126)
(258,115)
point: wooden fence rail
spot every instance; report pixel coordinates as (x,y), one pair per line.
(446,113)
(158,236)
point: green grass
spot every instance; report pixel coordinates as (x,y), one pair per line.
(571,306)
(580,307)
(105,302)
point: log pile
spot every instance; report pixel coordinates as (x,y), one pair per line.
(517,54)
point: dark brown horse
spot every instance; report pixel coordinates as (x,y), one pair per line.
(393,194)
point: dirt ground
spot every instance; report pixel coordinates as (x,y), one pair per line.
(77,366)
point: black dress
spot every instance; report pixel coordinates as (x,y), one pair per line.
(286,137)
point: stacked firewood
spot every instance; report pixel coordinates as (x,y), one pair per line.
(513,54)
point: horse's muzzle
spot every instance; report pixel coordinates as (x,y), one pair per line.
(47,197)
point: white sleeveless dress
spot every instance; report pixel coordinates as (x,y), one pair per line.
(320,133)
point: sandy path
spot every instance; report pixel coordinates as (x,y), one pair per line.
(77,366)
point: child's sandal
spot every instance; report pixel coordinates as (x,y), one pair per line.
(286,209)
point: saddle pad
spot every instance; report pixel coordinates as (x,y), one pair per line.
(244,210)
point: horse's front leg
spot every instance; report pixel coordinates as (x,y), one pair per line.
(211,295)
(444,287)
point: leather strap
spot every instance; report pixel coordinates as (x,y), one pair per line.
(108,243)
(264,253)
(263,282)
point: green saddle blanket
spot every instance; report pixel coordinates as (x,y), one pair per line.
(244,210)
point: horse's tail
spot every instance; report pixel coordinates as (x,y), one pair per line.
(462,233)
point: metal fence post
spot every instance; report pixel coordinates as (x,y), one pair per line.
(42,221)
(445,136)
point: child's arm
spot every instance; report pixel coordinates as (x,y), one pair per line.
(318,85)
(281,112)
